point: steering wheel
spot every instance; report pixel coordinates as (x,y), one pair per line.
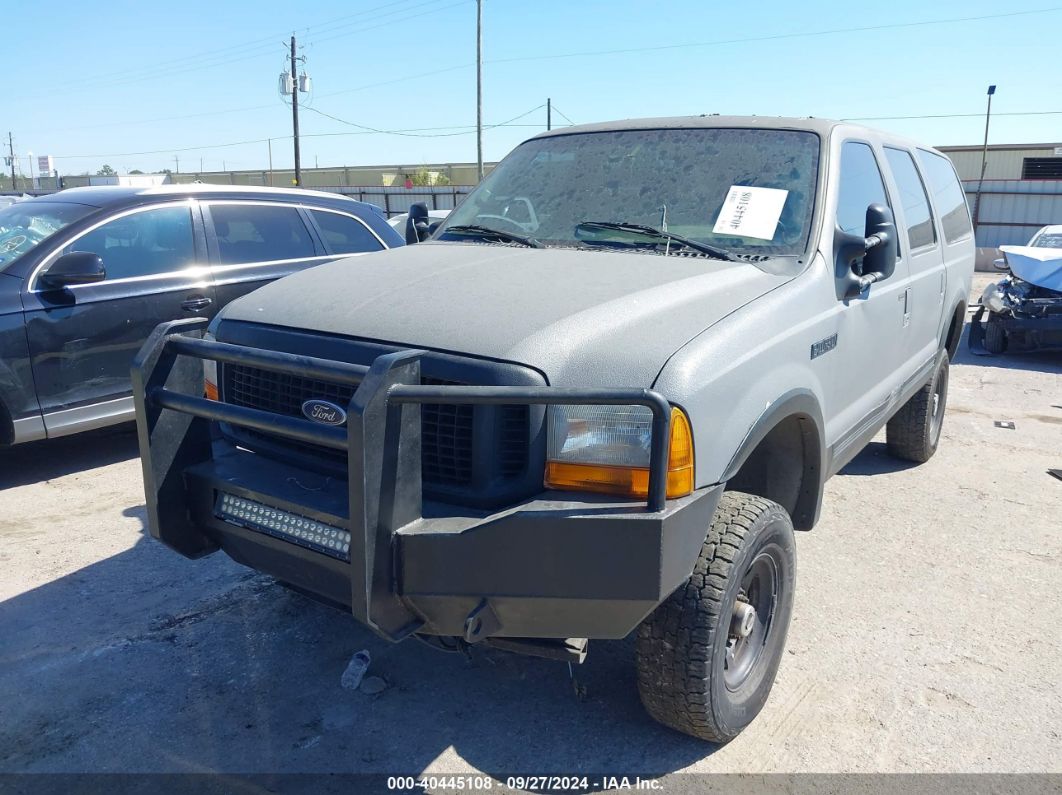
(515,224)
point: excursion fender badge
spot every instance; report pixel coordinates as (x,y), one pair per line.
(820,347)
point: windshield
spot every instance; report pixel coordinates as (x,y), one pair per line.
(1047,240)
(748,191)
(25,224)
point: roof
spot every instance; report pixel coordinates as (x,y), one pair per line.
(107,195)
(996,147)
(821,126)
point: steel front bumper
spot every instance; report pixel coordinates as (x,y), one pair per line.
(557,566)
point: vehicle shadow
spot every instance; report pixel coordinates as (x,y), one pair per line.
(36,462)
(874,459)
(1042,361)
(147,662)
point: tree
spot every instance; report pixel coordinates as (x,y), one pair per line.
(136,171)
(106,171)
(424,178)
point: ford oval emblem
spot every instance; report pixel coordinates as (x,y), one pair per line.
(324,412)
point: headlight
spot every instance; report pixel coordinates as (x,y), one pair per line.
(210,373)
(606,449)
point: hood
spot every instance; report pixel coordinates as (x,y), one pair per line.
(1039,266)
(581,318)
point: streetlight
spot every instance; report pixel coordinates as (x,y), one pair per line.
(984,159)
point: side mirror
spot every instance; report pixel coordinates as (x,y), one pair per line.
(881,243)
(75,267)
(861,261)
(417,224)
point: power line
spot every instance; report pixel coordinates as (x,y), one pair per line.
(591,53)
(775,37)
(270,106)
(259,48)
(955,115)
(172,149)
(363,131)
(391,22)
(422,135)
(562,115)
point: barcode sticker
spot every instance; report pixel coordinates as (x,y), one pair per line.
(750,212)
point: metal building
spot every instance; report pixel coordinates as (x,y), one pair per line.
(1007,161)
(1021,192)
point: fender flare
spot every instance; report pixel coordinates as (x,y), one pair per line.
(802,405)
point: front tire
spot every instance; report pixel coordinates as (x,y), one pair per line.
(706,663)
(995,335)
(913,433)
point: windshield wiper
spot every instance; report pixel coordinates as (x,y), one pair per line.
(660,234)
(487,232)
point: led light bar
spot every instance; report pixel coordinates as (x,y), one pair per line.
(301,530)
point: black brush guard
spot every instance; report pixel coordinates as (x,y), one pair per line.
(557,566)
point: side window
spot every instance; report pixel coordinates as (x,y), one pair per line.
(259,232)
(142,244)
(948,196)
(913,197)
(861,185)
(343,234)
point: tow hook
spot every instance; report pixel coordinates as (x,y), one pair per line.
(481,622)
(743,621)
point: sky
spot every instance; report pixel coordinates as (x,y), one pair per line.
(153,85)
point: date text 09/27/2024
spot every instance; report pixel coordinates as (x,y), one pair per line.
(481,783)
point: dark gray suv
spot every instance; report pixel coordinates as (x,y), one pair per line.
(87,273)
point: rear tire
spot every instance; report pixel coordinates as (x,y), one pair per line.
(913,433)
(696,672)
(995,335)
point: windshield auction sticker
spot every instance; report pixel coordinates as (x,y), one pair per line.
(750,212)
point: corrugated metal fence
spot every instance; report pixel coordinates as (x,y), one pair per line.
(397,200)
(1012,210)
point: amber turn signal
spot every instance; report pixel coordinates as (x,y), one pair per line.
(631,481)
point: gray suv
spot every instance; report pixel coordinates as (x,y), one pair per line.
(596,400)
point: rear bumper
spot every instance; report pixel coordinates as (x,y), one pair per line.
(560,565)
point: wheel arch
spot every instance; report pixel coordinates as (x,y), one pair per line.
(953,329)
(7,426)
(783,458)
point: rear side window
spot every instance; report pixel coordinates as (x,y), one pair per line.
(913,197)
(343,234)
(142,244)
(861,185)
(260,233)
(948,196)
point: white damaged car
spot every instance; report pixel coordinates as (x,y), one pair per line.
(1025,308)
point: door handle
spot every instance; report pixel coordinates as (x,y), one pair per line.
(196,302)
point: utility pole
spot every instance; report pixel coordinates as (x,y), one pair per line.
(549,114)
(269,141)
(479,89)
(11,159)
(176,164)
(295,113)
(984,160)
